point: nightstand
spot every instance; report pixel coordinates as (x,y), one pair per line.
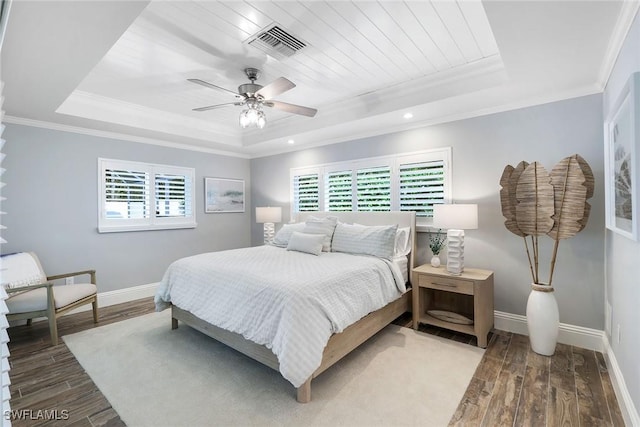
(461,303)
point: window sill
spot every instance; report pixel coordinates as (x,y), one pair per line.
(127,228)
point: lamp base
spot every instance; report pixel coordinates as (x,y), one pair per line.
(269,232)
(455,252)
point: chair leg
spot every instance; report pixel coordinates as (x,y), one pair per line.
(95,310)
(53,330)
(29,322)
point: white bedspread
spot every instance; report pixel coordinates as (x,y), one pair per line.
(289,301)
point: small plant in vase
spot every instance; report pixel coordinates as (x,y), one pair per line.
(437,241)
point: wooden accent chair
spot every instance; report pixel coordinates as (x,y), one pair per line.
(32,294)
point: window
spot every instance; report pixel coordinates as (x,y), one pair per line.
(338,191)
(141,196)
(407,182)
(373,189)
(422,185)
(306,191)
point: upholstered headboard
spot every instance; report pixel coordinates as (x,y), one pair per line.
(403,219)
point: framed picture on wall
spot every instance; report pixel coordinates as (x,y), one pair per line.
(223,195)
(622,129)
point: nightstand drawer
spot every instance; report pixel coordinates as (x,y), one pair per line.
(446,284)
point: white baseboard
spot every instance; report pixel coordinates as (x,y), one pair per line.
(569,334)
(628,409)
(106,299)
(119,296)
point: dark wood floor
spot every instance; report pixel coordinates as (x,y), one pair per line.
(511,386)
(515,386)
(47,378)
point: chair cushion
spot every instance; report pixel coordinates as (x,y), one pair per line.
(21,269)
(36,300)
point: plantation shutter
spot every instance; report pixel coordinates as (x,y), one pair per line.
(5,381)
(373,186)
(409,182)
(172,195)
(306,192)
(421,187)
(338,194)
(145,196)
(126,194)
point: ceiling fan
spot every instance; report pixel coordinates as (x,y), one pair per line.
(255,96)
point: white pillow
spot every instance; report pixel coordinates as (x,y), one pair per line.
(365,240)
(283,235)
(308,243)
(403,242)
(324,226)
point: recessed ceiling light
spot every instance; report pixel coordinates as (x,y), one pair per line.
(290,142)
(408,116)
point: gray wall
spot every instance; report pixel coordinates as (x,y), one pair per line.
(622,255)
(52,207)
(482,147)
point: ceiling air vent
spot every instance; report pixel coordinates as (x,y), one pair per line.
(276,42)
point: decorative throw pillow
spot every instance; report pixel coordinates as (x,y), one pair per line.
(403,242)
(307,243)
(365,240)
(324,226)
(284,234)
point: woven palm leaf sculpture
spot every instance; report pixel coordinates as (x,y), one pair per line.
(535,202)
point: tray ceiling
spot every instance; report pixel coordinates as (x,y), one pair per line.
(362,64)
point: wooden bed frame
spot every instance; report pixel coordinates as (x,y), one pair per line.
(339,345)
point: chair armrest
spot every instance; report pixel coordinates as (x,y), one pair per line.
(28,288)
(92,273)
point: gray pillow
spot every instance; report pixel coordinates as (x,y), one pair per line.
(324,226)
(307,243)
(283,235)
(365,240)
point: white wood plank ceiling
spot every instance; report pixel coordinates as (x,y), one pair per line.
(352,48)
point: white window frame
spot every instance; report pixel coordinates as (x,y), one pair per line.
(113,225)
(394,161)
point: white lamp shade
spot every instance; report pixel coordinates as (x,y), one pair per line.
(269,214)
(459,217)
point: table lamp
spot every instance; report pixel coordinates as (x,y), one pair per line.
(269,216)
(455,218)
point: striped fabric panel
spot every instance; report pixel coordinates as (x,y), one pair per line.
(284,234)
(324,226)
(365,240)
(307,243)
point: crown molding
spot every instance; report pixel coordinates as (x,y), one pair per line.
(319,139)
(366,130)
(97,107)
(116,135)
(627,14)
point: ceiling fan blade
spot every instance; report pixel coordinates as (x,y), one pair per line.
(212,86)
(213,107)
(292,108)
(275,88)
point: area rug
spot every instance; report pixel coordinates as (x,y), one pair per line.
(155,376)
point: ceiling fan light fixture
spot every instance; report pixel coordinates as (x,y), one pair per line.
(244,119)
(261,121)
(254,96)
(253,116)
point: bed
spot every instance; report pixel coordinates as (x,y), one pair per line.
(292,311)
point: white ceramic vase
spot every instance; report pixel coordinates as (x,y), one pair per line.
(435,261)
(543,319)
